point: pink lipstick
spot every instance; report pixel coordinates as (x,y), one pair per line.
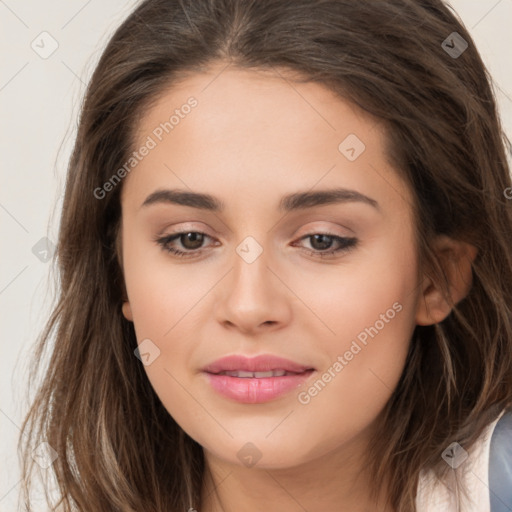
(256,380)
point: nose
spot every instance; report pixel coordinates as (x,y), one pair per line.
(254,296)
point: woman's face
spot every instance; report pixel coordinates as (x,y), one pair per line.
(257,278)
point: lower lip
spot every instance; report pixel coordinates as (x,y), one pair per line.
(255,391)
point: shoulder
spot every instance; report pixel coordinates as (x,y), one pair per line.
(486,473)
(500,464)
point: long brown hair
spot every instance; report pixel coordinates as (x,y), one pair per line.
(117,447)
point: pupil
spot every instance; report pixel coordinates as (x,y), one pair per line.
(195,238)
(324,245)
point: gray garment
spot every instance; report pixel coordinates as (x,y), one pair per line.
(500,465)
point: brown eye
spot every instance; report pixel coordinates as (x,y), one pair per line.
(190,241)
(321,243)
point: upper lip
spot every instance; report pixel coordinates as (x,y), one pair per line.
(261,363)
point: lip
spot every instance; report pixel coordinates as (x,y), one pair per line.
(261,363)
(252,390)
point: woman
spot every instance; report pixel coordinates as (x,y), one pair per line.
(312,189)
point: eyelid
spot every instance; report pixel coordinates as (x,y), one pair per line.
(326,230)
(191,226)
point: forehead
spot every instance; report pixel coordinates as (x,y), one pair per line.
(251,128)
(258,103)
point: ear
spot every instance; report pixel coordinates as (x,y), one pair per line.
(456,258)
(127,311)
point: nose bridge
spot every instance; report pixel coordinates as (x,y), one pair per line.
(251,266)
(250,249)
(254,297)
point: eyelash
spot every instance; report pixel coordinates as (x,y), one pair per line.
(347,243)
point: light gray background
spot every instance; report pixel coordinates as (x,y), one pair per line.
(39,102)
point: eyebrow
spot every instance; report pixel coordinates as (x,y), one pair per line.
(288,203)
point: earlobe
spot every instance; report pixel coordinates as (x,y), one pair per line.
(127,311)
(432,306)
(456,258)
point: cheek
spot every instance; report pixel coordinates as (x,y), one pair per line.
(160,292)
(369,295)
(162,303)
(370,309)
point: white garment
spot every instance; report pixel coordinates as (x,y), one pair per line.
(436,496)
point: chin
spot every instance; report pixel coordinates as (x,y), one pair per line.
(254,451)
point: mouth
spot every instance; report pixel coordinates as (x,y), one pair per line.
(261,366)
(254,380)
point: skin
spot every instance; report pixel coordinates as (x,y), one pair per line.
(254,137)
